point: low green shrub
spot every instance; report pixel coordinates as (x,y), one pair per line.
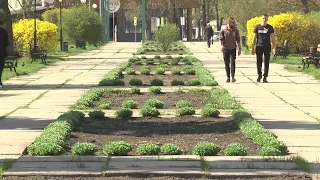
(129,104)
(210,111)
(183,103)
(130,71)
(145,71)
(117,148)
(149,111)
(105,105)
(111,82)
(189,71)
(96,114)
(269,151)
(155,89)
(148,149)
(154,102)
(86,101)
(157,57)
(135,82)
(138,63)
(206,149)
(222,99)
(143,57)
(134,59)
(203,73)
(170,149)
(135,90)
(235,149)
(123,113)
(194,82)
(84,149)
(163,66)
(168,57)
(175,61)
(160,71)
(44,149)
(185,111)
(156,82)
(177,83)
(175,71)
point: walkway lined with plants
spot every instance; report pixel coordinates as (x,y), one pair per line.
(29,103)
(288,105)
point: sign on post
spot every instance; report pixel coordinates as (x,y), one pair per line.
(162,21)
(158,22)
(114,6)
(182,21)
(135,22)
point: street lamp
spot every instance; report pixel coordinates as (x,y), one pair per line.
(94,6)
(60,1)
(35,25)
(84,1)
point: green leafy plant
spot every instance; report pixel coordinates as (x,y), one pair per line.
(84,149)
(168,57)
(130,71)
(189,71)
(210,111)
(175,71)
(177,83)
(160,71)
(117,148)
(130,104)
(143,57)
(154,102)
(175,61)
(163,66)
(155,89)
(148,149)
(194,82)
(156,82)
(165,36)
(104,105)
(157,57)
(134,59)
(149,111)
(170,149)
(235,149)
(111,82)
(183,103)
(144,70)
(135,90)
(44,148)
(123,113)
(269,151)
(185,111)
(96,114)
(135,82)
(206,149)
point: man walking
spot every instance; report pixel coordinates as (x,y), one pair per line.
(230,39)
(4,43)
(261,46)
(208,31)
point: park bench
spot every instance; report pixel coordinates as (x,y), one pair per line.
(11,62)
(282,50)
(37,53)
(313,57)
(81,44)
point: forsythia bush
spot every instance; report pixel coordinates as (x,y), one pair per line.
(298,29)
(23,31)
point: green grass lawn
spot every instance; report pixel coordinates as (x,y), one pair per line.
(25,67)
(293,63)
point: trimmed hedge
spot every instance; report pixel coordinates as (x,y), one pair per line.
(52,140)
(86,101)
(267,141)
(84,149)
(113,76)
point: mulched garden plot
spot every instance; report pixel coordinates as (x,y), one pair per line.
(198,100)
(185,132)
(167,79)
(180,52)
(153,67)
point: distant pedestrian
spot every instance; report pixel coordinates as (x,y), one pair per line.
(208,31)
(230,40)
(262,45)
(4,43)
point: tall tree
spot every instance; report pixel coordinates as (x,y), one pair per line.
(5,13)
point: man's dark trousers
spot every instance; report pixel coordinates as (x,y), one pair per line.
(209,41)
(260,51)
(229,56)
(1,67)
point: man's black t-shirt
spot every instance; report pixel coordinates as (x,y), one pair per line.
(264,33)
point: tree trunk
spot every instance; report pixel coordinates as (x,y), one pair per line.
(218,17)
(4,7)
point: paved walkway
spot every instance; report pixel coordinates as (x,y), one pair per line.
(31,102)
(289,105)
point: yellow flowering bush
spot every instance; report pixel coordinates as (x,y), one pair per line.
(23,31)
(297,28)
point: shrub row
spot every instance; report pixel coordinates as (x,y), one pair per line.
(52,140)
(122,148)
(222,99)
(86,101)
(267,141)
(113,76)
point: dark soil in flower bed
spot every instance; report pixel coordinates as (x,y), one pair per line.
(185,132)
(167,79)
(197,100)
(283,177)
(180,52)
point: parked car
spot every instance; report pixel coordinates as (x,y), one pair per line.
(216,36)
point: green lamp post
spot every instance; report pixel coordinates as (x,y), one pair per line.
(143,14)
